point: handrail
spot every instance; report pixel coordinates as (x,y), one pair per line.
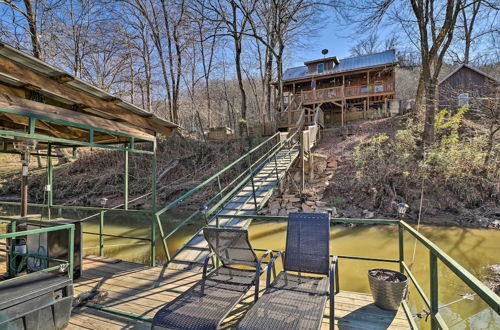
(435,253)
(213,177)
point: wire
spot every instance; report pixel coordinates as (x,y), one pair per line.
(418,223)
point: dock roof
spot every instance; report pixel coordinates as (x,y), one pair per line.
(72,97)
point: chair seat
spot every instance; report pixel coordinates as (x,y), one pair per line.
(207,303)
(291,302)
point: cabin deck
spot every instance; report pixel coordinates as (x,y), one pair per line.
(143,290)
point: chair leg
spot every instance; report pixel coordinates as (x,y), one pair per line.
(337,280)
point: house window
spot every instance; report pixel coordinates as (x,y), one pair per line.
(379,88)
(321,67)
(463,99)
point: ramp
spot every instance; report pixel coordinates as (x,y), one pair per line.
(248,200)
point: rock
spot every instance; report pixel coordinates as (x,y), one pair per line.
(294,200)
(282,213)
(368,214)
(332,164)
(288,196)
(297,177)
(320,167)
(294,209)
(320,204)
(306,208)
(310,203)
(332,159)
(319,156)
(274,212)
(274,205)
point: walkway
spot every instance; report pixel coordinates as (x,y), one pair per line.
(194,252)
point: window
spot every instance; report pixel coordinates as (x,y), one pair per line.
(379,88)
(321,67)
(463,99)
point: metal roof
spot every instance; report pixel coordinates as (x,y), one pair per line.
(346,64)
(471,68)
(53,72)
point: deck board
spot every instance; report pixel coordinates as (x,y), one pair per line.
(144,290)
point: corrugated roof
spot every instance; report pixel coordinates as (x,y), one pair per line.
(346,64)
(53,72)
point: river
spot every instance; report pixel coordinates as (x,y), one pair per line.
(474,249)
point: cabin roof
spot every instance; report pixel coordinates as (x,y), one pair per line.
(471,68)
(24,71)
(346,64)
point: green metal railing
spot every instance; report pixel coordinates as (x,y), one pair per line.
(227,184)
(435,254)
(67,265)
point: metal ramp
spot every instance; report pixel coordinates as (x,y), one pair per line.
(243,202)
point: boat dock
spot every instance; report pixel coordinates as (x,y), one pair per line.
(143,290)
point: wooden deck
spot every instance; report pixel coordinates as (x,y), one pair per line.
(144,290)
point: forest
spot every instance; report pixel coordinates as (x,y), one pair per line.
(211,63)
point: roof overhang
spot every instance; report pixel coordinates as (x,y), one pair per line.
(21,73)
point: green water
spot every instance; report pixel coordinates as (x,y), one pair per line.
(474,249)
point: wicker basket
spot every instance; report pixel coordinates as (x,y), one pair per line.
(388,295)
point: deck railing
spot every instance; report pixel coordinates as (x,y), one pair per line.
(435,255)
(64,265)
(337,93)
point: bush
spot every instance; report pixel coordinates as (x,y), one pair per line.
(453,167)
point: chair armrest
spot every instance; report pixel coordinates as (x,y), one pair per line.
(269,266)
(205,264)
(332,273)
(257,272)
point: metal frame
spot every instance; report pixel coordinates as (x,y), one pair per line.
(31,134)
(53,226)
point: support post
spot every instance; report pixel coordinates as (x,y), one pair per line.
(311,167)
(434,290)
(153,179)
(71,251)
(162,235)
(24,184)
(302,160)
(153,244)
(50,180)
(125,181)
(401,248)
(101,232)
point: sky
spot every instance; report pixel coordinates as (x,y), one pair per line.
(337,39)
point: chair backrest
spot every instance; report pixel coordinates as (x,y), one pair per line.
(231,246)
(308,243)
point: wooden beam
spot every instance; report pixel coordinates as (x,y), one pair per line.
(41,109)
(64,91)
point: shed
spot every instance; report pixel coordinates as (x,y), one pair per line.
(469,86)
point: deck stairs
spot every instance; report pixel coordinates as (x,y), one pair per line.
(193,253)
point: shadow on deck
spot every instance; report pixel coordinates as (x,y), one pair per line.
(144,290)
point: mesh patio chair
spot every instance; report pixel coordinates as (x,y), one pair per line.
(206,304)
(295,301)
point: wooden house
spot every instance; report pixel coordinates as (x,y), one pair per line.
(344,89)
(468,86)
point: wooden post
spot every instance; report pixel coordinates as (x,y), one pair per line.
(385,107)
(364,109)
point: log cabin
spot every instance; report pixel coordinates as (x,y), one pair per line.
(468,86)
(361,87)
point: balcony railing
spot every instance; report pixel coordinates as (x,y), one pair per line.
(339,92)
